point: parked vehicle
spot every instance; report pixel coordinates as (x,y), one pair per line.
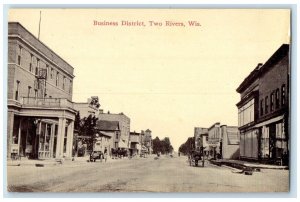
(194,158)
(96,155)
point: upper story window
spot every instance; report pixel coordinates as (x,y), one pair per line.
(51,73)
(272,102)
(246,113)
(29,90)
(267,104)
(57,79)
(64,82)
(70,87)
(31,62)
(19,55)
(262,107)
(277,98)
(47,67)
(283,94)
(37,67)
(17,90)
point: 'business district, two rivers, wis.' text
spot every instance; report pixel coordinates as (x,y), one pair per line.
(149,23)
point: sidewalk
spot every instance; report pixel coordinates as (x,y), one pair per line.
(34,162)
(246,166)
(56,162)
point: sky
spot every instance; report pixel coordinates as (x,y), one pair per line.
(169,79)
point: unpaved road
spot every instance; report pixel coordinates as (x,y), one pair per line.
(142,175)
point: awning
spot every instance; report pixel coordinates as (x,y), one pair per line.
(278,118)
(106,133)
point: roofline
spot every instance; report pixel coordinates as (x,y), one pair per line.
(260,68)
(18,23)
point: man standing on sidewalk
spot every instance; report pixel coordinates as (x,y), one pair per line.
(105,154)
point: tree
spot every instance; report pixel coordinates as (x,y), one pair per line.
(163,146)
(77,122)
(156,145)
(89,129)
(188,146)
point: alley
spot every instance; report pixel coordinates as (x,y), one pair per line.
(142,175)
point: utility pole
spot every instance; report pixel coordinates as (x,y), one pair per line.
(40,25)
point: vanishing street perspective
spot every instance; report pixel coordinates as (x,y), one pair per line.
(191,137)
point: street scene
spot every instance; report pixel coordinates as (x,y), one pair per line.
(165,174)
(148,100)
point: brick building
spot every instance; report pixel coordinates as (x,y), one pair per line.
(40,108)
(264,110)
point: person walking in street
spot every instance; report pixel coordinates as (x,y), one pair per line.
(105,154)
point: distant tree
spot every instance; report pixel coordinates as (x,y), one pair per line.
(188,146)
(156,145)
(88,128)
(164,146)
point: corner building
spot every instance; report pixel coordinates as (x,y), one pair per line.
(264,110)
(41,115)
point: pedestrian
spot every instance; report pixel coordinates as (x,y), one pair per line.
(105,154)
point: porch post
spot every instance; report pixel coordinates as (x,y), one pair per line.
(10,129)
(70,139)
(60,137)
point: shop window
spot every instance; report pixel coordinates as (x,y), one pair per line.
(277,99)
(283,94)
(267,104)
(65,140)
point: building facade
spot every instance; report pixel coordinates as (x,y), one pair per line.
(40,109)
(198,135)
(266,135)
(135,143)
(122,140)
(147,141)
(108,132)
(230,142)
(91,107)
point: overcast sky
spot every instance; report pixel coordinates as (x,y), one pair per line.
(169,79)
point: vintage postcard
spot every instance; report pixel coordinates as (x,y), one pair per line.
(148,100)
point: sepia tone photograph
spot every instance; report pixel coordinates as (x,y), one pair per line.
(148,100)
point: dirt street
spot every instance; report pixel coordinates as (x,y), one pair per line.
(142,175)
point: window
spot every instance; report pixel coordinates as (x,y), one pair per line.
(64,81)
(37,66)
(277,99)
(272,102)
(47,67)
(57,79)
(35,93)
(17,91)
(29,90)
(70,87)
(266,104)
(20,55)
(262,107)
(51,73)
(31,62)
(283,94)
